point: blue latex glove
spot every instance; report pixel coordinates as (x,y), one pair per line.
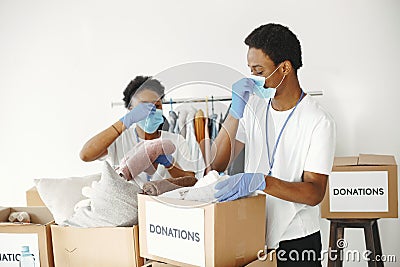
(239,185)
(138,113)
(166,160)
(241,91)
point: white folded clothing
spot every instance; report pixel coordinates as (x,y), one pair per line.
(202,191)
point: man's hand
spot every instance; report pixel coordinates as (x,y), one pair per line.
(239,185)
(241,91)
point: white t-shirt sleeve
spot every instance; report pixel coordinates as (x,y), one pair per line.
(322,147)
(241,131)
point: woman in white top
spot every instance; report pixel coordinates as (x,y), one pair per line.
(143,98)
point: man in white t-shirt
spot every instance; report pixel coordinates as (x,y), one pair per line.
(143,121)
(290,144)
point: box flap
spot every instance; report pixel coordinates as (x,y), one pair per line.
(345,161)
(4,213)
(369,159)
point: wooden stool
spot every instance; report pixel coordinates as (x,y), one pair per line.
(371,233)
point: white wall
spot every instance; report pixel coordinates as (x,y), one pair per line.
(62,63)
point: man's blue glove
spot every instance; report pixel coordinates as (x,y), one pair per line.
(166,160)
(138,113)
(241,91)
(239,185)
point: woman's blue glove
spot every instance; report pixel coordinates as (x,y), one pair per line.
(138,113)
(239,185)
(166,160)
(241,91)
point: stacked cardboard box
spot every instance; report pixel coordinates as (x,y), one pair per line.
(36,235)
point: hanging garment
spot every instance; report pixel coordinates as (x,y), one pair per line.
(194,147)
(221,121)
(177,128)
(182,115)
(199,129)
(214,127)
(199,126)
(172,121)
(207,147)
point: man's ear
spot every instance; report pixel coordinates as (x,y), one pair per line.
(287,67)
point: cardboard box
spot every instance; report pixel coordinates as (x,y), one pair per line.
(191,233)
(362,187)
(96,247)
(268,260)
(158,264)
(36,235)
(33,198)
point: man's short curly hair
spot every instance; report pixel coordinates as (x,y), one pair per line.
(140,83)
(277,42)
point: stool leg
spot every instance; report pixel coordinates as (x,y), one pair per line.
(377,241)
(339,235)
(332,243)
(369,243)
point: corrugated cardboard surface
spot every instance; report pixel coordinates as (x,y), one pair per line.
(365,162)
(33,198)
(234,231)
(41,219)
(96,247)
(270,261)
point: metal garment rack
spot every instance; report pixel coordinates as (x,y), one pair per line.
(203,99)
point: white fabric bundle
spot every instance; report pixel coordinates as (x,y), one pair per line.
(112,202)
(202,191)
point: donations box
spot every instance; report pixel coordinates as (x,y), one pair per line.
(362,187)
(191,233)
(36,235)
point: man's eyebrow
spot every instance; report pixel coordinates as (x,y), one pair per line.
(255,66)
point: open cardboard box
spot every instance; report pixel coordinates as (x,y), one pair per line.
(191,233)
(96,247)
(36,235)
(33,198)
(362,187)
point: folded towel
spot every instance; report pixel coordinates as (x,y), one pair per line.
(113,202)
(20,216)
(141,157)
(155,188)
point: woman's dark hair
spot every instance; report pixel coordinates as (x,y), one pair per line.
(277,42)
(140,83)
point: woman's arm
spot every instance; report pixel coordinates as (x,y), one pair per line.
(97,146)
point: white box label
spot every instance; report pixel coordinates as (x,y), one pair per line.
(175,233)
(363,191)
(10,248)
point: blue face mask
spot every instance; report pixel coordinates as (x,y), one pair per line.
(152,122)
(260,90)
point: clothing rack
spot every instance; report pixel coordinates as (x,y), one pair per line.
(203,99)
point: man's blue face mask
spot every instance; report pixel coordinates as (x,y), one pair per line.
(260,90)
(152,122)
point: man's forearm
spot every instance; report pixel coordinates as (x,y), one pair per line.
(300,192)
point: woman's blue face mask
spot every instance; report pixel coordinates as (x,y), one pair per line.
(152,122)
